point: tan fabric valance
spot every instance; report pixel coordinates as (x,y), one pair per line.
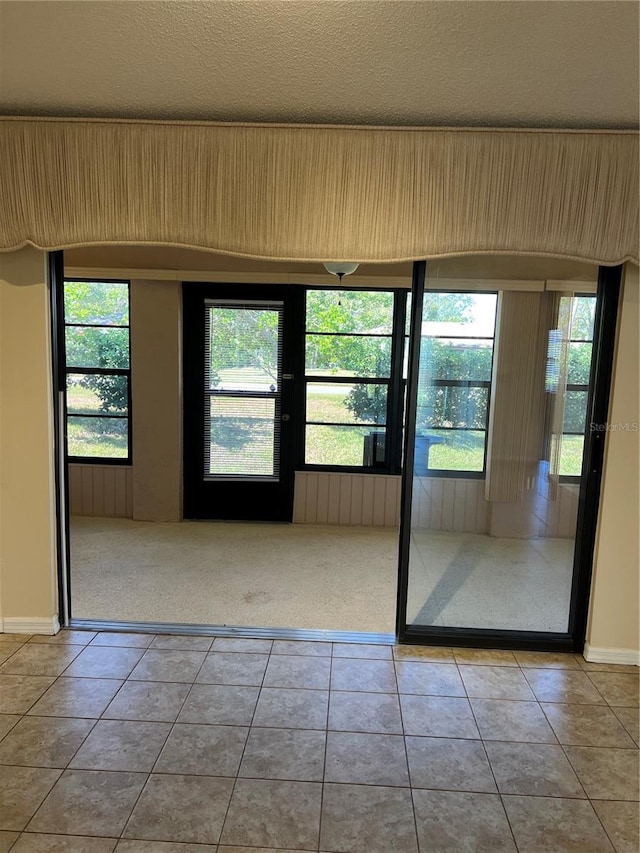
(316,193)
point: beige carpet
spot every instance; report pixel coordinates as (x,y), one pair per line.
(220,573)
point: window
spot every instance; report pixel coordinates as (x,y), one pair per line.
(243,389)
(456,355)
(96,316)
(580,344)
(352,378)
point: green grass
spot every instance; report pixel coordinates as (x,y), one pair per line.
(461,451)
(328,407)
(330,445)
(333,445)
(81,400)
(82,440)
(89,436)
(571,455)
(325,445)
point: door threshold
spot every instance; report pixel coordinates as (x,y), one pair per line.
(234,631)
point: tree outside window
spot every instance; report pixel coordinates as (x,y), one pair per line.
(97,369)
(350,359)
(580,346)
(454,386)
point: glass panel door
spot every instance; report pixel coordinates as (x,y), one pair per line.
(241,408)
(504,388)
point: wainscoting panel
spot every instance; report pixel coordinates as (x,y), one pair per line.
(562,513)
(449,503)
(373,500)
(368,500)
(101,490)
(460,506)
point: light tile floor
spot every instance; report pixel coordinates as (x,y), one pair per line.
(142,744)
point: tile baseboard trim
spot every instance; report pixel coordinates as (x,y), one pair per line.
(24,625)
(596,654)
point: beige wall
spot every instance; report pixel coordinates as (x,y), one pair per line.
(27,498)
(614,616)
(157,400)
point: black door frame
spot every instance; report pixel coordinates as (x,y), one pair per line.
(55,268)
(604,339)
(273,501)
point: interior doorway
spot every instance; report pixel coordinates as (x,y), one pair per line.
(342,445)
(249,391)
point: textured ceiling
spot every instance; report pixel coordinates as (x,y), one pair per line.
(511,63)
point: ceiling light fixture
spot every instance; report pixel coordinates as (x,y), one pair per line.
(341,269)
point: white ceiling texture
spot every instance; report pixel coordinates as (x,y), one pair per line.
(535,63)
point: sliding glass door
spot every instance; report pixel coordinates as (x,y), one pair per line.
(503,460)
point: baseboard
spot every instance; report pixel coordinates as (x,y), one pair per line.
(595,654)
(20,625)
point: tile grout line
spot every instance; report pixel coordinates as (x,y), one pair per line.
(493,775)
(40,674)
(406,755)
(634,737)
(562,746)
(326,744)
(244,749)
(146,782)
(604,828)
(566,755)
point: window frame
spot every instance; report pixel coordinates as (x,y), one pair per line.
(210,394)
(96,371)
(394,383)
(576,478)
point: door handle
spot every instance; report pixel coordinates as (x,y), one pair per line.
(286,417)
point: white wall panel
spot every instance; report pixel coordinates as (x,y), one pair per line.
(369,500)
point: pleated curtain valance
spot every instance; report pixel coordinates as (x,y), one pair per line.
(319,193)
